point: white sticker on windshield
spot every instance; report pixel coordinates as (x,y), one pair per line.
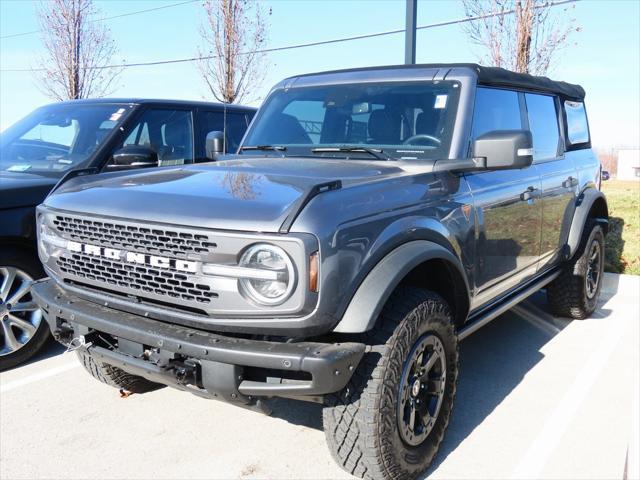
(441,101)
(18,168)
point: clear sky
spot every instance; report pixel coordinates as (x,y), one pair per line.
(604,57)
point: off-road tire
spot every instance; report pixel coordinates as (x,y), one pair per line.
(115,376)
(27,262)
(360,422)
(567,294)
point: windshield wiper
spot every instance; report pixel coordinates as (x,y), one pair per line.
(375,152)
(278,148)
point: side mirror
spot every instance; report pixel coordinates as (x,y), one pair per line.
(214,145)
(605,175)
(504,149)
(133,156)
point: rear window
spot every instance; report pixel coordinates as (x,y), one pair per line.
(577,126)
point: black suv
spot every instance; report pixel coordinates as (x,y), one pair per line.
(373,219)
(80,137)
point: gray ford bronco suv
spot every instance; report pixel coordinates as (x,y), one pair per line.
(372,219)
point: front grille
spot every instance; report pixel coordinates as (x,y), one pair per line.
(165,283)
(155,241)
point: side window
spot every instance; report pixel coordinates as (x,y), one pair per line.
(577,126)
(543,123)
(167,132)
(139,136)
(495,110)
(237,124)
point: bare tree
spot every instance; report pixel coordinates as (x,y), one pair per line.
(78,51)
(527,40)
(230,62)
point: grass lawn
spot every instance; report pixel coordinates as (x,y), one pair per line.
(623,240)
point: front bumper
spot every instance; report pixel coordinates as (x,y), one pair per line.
(204,363)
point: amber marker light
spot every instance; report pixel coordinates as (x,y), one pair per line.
(313,272)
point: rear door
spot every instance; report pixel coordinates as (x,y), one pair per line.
(557,175)
(509,214)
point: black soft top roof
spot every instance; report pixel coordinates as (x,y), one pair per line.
(492,76)
(501,77)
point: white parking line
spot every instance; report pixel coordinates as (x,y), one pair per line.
(38,376)
(538,453)
(536,321)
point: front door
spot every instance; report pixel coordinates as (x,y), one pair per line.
(166,131)
(507,205)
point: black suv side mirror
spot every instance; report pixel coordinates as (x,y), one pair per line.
(504,149)
(133,156)
(214,144)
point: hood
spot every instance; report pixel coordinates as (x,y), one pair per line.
(251,194)
(23,189)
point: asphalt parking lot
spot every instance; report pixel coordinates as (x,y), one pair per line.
(539,397)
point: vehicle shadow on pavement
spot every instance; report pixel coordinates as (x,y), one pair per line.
(306,414)
(493,361)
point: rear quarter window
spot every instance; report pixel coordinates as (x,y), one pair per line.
(577,125)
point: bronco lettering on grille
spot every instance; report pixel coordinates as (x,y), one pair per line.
(133,257)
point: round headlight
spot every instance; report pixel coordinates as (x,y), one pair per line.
(274,278)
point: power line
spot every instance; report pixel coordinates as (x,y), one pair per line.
(313,44)
(22,34)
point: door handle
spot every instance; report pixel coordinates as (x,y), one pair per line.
(570,182)
(529,194)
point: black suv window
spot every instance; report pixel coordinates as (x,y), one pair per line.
(543,123)
(496,110)
(168,132)
(237,124)
(577,126)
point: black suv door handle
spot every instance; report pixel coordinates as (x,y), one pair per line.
(570,182)
(529,194)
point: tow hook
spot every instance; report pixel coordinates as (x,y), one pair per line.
(125,393)
(186,373)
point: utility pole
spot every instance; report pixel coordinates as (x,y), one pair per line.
(410,33)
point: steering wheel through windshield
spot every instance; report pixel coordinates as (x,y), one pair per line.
(421,137)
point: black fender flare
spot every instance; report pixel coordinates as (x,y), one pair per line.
(374,291)
(584,205)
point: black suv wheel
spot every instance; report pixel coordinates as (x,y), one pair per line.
(23,330)
(576,291)
(390,419)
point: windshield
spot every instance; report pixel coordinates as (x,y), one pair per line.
(410,120)
(56,138)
